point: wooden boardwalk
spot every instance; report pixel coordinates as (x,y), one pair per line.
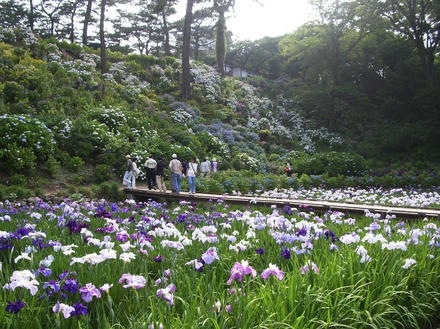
(142,194)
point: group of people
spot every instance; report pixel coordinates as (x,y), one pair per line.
(178,170)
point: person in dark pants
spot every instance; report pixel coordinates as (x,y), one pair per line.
(150,166)
(160,177)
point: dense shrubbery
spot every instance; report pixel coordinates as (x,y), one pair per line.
(332,163)
(25,142)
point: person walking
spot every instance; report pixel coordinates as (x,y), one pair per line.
(204,168)
(160,176)
(128,171)
(214,165)
(150,166)
(134,173)
(192,174)
(176,172)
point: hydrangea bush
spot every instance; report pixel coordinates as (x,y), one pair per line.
(25,142)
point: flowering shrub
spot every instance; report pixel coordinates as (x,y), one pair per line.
(88,137)
(17,36)
(24,142)
(208,79)
(113,118)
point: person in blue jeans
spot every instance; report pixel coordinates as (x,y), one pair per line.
(176,171)
(192,174)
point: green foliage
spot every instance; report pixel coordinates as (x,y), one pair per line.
(88,138)
(333,163)
(18,179)
(75,164)
(25,143)
(109,191)
(77,179)
(13,193)
(52,166)
(103,173)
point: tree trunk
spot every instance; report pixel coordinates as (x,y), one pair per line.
(102,37)
(31,15)
(186,73)
(166,31)
(220,43)
(86,22)
(72,23)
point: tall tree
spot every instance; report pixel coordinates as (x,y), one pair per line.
(221,7)
(144,27)
(31,15)
(419,21)
(186,70)
(87,18)
(51,9)
(320,51)
(165,8)
(220,43)
(102,37)
(203,31)
(12,14)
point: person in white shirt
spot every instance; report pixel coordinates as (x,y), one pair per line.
(192,174)
(150,166)
(176,172)
(134,173)
(126,180)
(205,168)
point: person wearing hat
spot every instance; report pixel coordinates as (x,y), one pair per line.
(176,172)
(128,171)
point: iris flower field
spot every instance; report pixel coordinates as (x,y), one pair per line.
(193,265)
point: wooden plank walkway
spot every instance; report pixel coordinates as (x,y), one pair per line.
(317,205)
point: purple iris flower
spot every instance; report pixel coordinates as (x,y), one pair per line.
(80,309)
(167,293)
(70,285)
(54,287)
(22,231)
(272,270)
(15,307)
(88,292)
(158,259)
(239,270)
(75,226)
(44,271)
(66,273)
(132,281)
(260,251)
(330,235)
(210,255)
(285,253)
(39,243)
(288,210)
(122,236)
